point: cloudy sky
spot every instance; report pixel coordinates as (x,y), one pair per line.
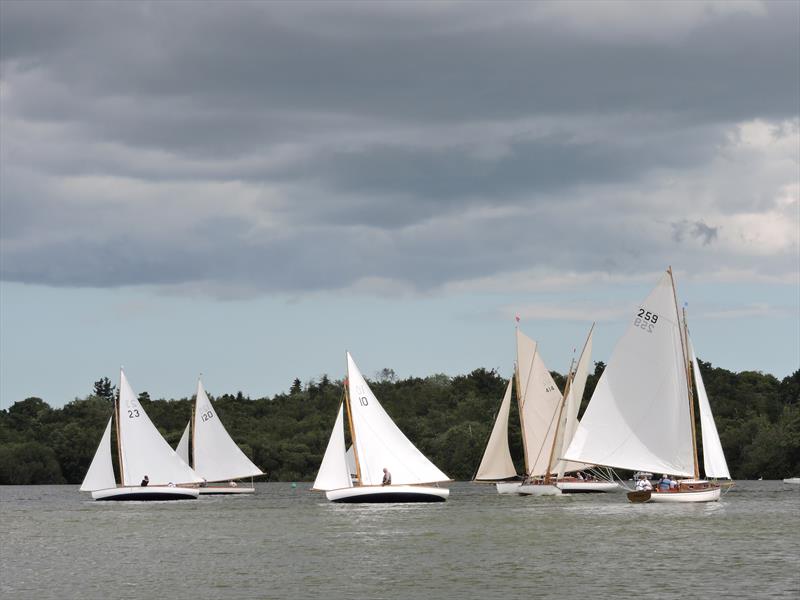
(249,189)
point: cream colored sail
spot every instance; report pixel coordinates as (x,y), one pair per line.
(379,443)
(496,463)
(539,400)
(571,408)
(638,417)
(182,449)
(100,475)
(334,473)
(142,449)
(714,463)
(216,455)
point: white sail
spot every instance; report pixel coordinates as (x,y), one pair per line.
(334,473)
(143,451)
(100,475)
(539,400)
(379,442)
(638,417)
(496,462)
(182,449)
(350,460)
(572,406)
(216,455)
(714,463)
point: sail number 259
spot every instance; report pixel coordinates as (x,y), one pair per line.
(645,320)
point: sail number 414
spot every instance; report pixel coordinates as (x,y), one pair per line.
(645,320)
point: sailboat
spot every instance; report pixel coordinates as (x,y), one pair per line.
(142,453)
(547,420)
(378,444)
(216,456)
(641,415)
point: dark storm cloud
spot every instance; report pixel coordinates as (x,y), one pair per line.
(307,146)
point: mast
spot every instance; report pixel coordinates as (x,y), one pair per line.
(521,413)
(194,411)
(352,429)
(687,372)
(119,439)
(689,379)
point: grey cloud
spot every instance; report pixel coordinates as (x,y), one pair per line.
(344,128)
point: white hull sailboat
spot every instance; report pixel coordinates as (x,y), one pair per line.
(215,456)
(547,420)
(378,444)
(141,452)
(641,415)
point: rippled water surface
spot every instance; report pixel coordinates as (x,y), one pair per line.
(286,542)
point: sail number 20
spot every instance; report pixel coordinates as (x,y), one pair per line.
(645,320)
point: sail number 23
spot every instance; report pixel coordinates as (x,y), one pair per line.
(133,413)
(645,320)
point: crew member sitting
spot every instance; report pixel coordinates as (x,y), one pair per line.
(387,477)
(145,481)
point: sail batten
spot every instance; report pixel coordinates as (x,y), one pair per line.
(638,417)
(496,462)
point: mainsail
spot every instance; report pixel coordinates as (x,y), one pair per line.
(379,443)
(100,475)
(334,473)
(216,455)
(638,417)
(142,449)
(714,463)
(539,400)
(496,462)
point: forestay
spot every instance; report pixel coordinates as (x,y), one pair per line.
(379,442)
(100,475)
(638,417)
(496,462)
(714,462)
(182,449)
(142,449)
(334,473)
(539,400)
(216,455)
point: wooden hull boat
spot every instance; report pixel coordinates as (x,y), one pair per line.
(152,493)
(388,494)
(687,491)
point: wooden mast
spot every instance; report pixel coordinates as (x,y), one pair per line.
(119,439)
(352,429)
(689,386)
(687,372)
(521,414)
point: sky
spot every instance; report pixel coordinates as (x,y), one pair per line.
(248,189)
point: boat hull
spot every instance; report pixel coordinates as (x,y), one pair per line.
(587,487)
(225,491)
(538,489)
(792,480)
(155,493)
(508,487)
(388,494)
(707,495)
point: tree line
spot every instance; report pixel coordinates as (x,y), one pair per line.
(448,418)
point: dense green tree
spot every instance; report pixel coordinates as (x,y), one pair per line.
(447,418)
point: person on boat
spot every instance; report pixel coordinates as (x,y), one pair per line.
(643,484)
(233,484)
(387,477)
(145,481)
(664,483)
(673,485)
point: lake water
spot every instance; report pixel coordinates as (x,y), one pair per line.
(286,542)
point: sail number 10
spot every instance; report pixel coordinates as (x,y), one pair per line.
(645,320)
